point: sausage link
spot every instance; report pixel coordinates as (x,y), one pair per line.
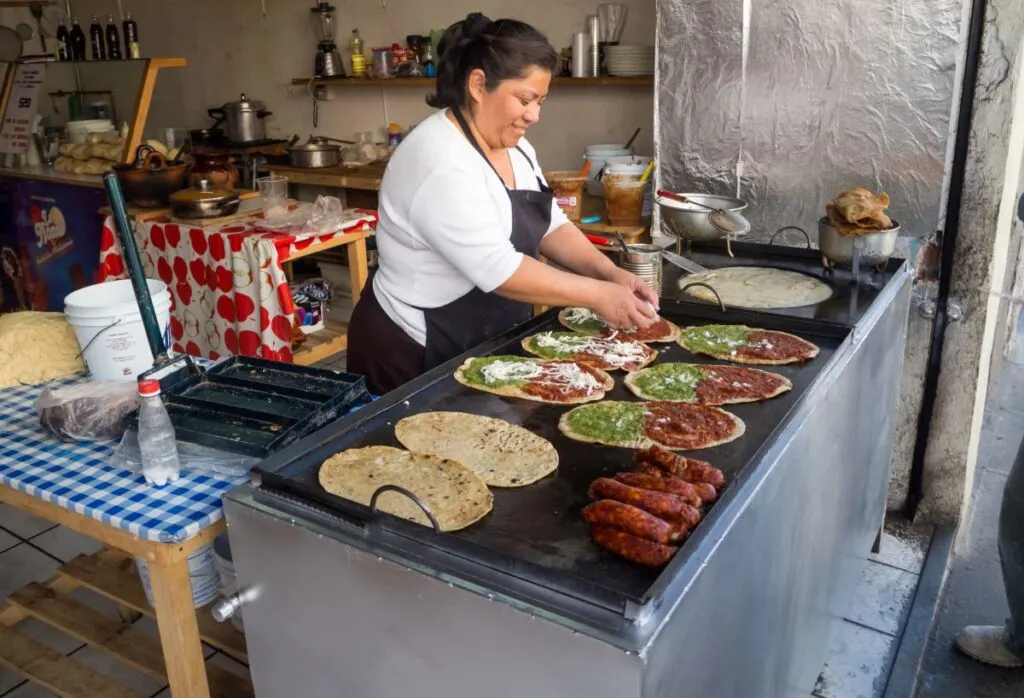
(705,492)
(631,519)
(660,483)
(632,548)
(688,469)
(670,507)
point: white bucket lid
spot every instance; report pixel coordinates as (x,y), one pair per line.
(88,125)
(112,299)
(608,150)
(641,160)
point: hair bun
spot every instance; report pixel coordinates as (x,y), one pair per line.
(476,25)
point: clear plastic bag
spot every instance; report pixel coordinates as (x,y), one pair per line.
(92,411)
(192,457)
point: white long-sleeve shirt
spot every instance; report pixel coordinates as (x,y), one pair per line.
(445,222)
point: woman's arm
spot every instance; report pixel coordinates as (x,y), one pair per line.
(568,247)
(537,283)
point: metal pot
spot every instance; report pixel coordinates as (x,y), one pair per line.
(243,120)
(204,201)
(875,248)
(314,155)
(149,181)
(691,222)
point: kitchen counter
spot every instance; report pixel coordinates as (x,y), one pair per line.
(46,173)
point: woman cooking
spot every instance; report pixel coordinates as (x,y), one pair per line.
(465,212)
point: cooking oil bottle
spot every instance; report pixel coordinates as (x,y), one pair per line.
(355,48)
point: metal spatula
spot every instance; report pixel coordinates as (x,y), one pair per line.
(687,265)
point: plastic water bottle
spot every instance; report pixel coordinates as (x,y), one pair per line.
(157,442)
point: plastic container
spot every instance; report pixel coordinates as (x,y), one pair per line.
(633,165)
(157,443)
(78,131)
(598,155)
(225,566)
(109,328)
(568,188)
(623,198)
(202,571)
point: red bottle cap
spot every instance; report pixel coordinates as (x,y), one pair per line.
(149,387)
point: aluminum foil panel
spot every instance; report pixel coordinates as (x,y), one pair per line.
(831,95)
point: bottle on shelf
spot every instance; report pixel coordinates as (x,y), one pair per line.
(157,441)
(77,41)
(99,50)
(355,49)
(113,40)
(131,36)
(64,50)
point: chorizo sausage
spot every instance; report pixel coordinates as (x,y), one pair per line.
(631,519)
(662,483)
(632,548)
(688,469)
(670,507)
(705,492)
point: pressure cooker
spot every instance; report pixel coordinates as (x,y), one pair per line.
(243,120)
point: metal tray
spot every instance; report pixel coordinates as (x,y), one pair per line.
(253,406)
(536,533)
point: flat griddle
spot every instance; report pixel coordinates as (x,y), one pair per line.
(536,533)
(851,297)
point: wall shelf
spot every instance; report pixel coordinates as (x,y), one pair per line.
(604,81)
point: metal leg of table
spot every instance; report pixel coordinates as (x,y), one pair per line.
(179,633)
(357,268)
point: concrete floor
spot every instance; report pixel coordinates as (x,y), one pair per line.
(973,593)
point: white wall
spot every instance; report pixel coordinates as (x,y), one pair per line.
(233,47)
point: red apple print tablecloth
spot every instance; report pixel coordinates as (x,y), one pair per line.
(228,288)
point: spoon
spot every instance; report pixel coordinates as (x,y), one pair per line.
(726,222)
(622,243)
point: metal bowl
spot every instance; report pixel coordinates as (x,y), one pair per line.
(875,248)
(691,222)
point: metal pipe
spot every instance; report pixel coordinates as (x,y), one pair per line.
(950,232)
(134,264)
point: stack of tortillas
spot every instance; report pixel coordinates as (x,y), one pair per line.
(455,494)
(36,348)
(503,454)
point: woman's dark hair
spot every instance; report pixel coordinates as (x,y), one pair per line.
(502,49)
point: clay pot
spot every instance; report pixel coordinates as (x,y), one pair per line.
(217,169)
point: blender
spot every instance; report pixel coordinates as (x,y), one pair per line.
(328,60)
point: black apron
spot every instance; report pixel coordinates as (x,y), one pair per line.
(381,351)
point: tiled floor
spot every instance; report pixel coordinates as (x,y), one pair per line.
(31,549)
(864,648)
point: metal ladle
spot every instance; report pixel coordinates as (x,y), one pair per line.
(725,222)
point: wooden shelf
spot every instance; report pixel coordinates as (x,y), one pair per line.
(605,81)
(319,345)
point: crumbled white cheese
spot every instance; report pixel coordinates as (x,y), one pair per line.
(615,353)
(501,371)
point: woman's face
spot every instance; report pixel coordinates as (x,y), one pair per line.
(502,116)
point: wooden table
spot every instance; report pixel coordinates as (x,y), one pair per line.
(178,656)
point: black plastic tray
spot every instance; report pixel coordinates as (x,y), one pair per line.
(536,532)
(253,406)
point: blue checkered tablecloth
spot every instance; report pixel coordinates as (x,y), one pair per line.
(76,476)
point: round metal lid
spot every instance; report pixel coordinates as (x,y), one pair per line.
(244,104)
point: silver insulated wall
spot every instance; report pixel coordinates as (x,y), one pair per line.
(791,101)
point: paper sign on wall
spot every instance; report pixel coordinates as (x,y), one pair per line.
(16,132)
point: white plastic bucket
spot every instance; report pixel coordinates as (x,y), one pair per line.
(226,570)
(598,156)
(108,325)
(201,570)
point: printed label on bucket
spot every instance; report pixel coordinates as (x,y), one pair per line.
(564,201)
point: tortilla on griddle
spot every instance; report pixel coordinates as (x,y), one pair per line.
(677,426)
(503,454)
(455,494)
(511,376)
(758,287)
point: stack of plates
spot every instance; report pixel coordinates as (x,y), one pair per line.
(629,60)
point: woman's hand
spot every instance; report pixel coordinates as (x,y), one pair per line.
(635,284)
(622,307)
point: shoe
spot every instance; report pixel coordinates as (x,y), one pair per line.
(987,643)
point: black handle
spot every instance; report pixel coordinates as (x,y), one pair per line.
(134,264)
(218,115)
(721,303)
(263,114)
